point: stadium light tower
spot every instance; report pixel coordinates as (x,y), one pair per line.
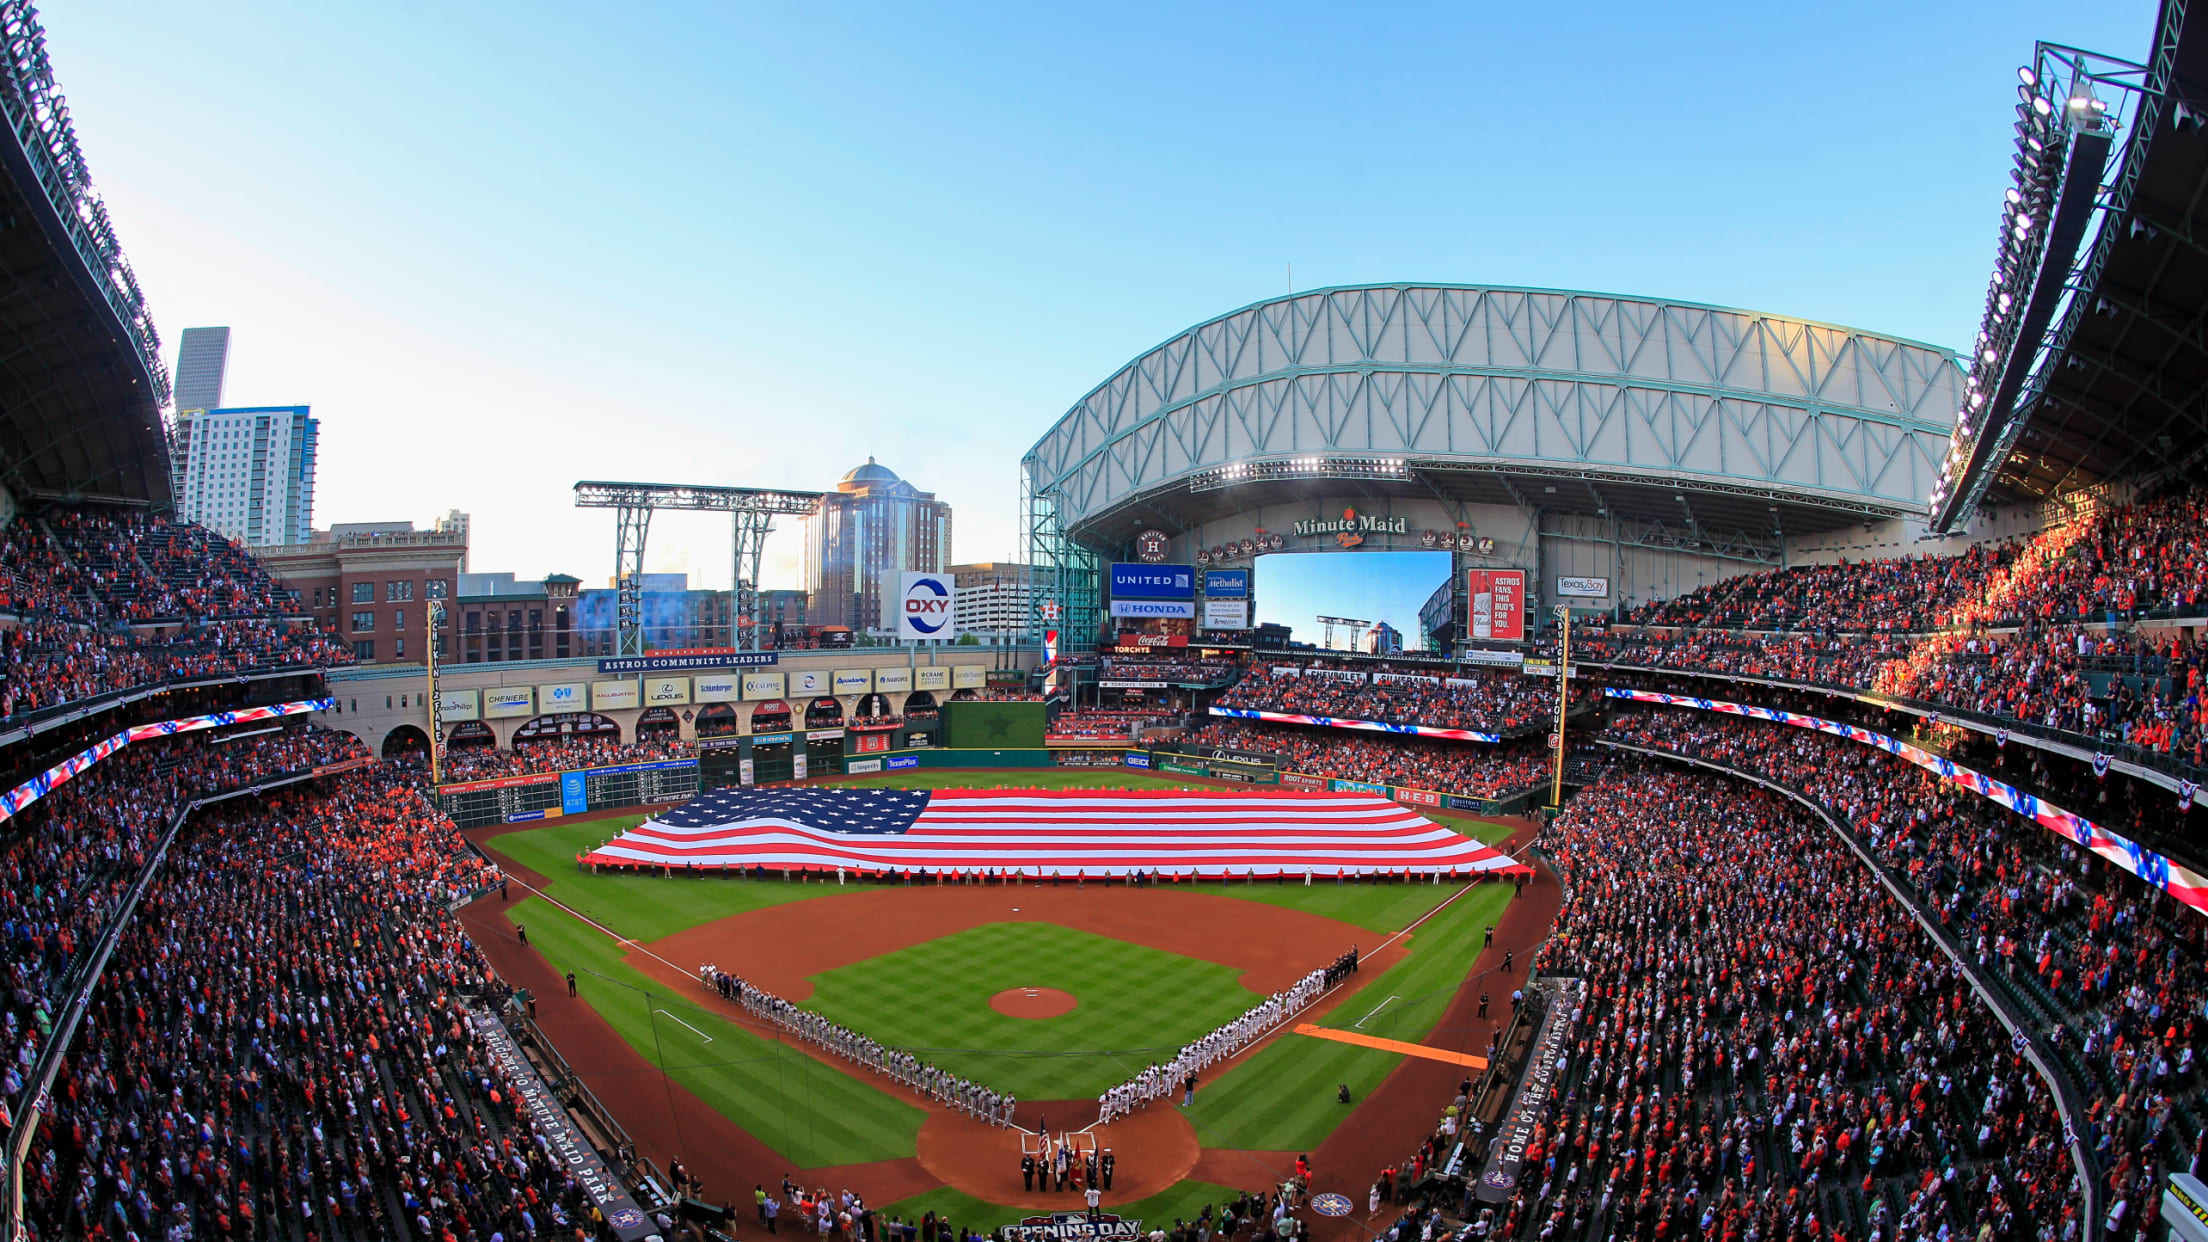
(1353,623)
(752,509)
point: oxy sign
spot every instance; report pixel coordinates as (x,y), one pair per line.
(924,605)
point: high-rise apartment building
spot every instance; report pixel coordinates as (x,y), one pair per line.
(249,473)
(200,361)
(867,531)
(992,599)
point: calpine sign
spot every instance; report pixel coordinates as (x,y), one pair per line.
(924,606)
(1352,527)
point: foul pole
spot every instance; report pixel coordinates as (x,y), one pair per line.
(1563,699)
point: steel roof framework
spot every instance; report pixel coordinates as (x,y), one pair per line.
(752,511)
(1462,389)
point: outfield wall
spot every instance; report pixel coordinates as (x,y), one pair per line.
(551,795)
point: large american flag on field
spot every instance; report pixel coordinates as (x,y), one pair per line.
(1036,832)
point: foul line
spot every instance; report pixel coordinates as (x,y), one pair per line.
(1375,1009)
(1391,1045)
(684,1025)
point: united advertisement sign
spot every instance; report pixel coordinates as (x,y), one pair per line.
(1135,581)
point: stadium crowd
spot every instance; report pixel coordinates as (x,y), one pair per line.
(2108,968)
(103,601)
(2043,630)
(1471,769)
(282,1047)
(558,754)
(1093,722)
(1165,669)
(1769,1047)
(1477,699)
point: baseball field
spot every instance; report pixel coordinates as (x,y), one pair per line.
(1049,993)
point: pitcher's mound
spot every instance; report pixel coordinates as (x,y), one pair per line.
(1032,1002)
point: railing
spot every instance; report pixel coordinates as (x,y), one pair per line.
(2160,769)
(2069,1098)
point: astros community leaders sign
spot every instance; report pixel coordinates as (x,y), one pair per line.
(688,657)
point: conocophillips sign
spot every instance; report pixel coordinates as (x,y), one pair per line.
(924,605)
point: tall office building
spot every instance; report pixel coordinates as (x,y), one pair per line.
(249,473)
(200,360)
(867,531)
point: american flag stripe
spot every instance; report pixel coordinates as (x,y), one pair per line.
(1099,832)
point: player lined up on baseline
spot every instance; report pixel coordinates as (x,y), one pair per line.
(1158,1081)
(937,1084)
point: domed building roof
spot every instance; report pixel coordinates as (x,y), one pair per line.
(872,472)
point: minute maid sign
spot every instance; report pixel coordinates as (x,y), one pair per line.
(1352,527)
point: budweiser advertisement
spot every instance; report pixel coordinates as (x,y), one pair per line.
(1498,599)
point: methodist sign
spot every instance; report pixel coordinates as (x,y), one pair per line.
(924,605)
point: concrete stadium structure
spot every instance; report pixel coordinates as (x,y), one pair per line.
(1658,444)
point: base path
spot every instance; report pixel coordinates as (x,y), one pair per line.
(779,947)
(1155,1147)
(1391,1122)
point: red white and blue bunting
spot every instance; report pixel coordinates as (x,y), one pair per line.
(15,800)
(2188,886)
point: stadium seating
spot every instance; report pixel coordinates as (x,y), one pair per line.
(555,755)
(2043,631)
(1769,1046)
(105,600)
(1448,767)
(2105,966)
(1478,699)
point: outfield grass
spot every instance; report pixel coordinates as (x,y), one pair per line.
(810,1113)
(814,1115)
(648,907)
(1134,1005)
(1180,1201)
(1283,1098)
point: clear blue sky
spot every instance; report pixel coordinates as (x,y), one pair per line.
(503,247)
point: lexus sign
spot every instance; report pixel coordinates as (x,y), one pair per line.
(924,606)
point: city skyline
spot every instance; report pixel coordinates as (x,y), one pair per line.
(927,246)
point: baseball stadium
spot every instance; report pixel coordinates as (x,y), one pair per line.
(1782,833)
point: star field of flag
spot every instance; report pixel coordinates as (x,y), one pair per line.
(1036,832)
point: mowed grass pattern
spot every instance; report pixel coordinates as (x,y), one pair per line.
(1283,1098)
(1134,1005)
(812,1114)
